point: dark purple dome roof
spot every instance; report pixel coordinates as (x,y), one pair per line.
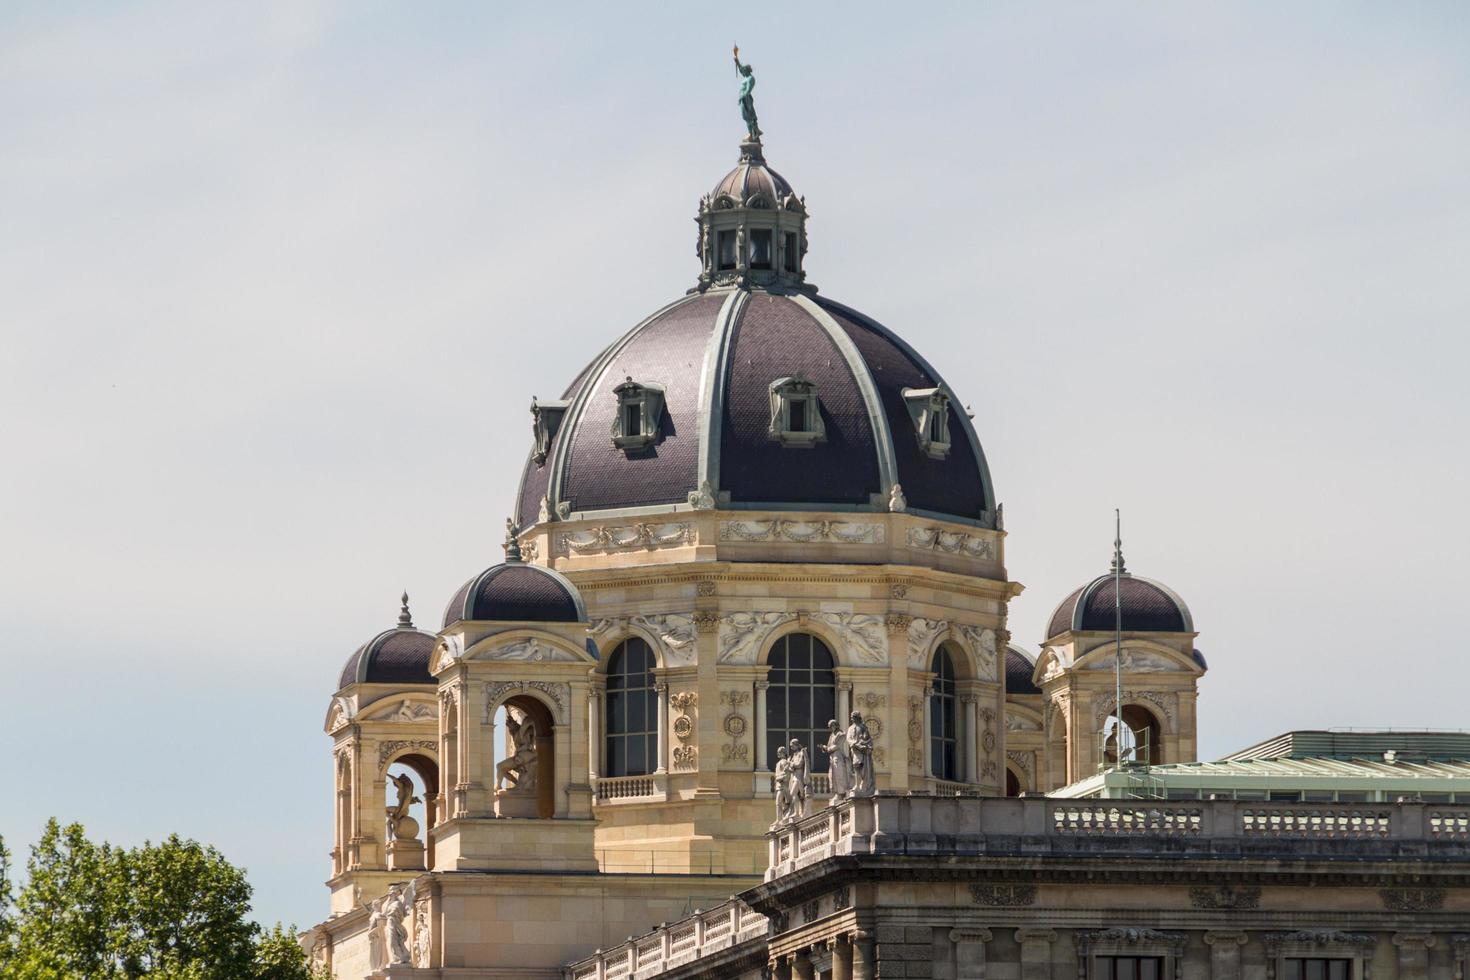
(517,592)
(716,355)
(396,656)
(1148,607)
(1019,668)
(752,183)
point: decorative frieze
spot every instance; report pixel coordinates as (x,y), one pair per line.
(802,532)
(623,537)
(1135,662)
(1003,895)
(1022,760)
(1225,897)
(950,542)
(1412,899)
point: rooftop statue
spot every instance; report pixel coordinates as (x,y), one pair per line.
(747,101)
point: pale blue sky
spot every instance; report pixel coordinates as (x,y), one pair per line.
(278,281)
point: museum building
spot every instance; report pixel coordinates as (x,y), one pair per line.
(757,512)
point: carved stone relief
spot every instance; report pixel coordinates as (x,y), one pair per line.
(921,636)
(685,755)
(339,714)
(735,726)
(950,542)
(1225,897)
(802,532)
(1104,706)
(741,634)
(389,749)
(863,636)
(916,732)
(674,634)
(404,711)
(1003,895)
(530,650)
(1021,759)
(981,641)
(558,694)
(1135,661)
(988,741)
(447,651)
(629,537)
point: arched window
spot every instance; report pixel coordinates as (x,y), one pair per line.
(802,697)
(632,711)
(944,760)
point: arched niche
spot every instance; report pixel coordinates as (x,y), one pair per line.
(1143,736)
(524,778)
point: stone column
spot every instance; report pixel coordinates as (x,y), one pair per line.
(841,958)
(1225,954)
(1035,952)
(844,703)
(971,741)
(1413,954)
(926,739)
(969,947)
(781,969)
(758,725)
(864,966)
(662,688)
(594,735)
(802,967)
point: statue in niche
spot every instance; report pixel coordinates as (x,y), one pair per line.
(518,770)
(388,927)
(782,787)
(839,760)
(860,749)
(796,778)
(400,825)
(747,100)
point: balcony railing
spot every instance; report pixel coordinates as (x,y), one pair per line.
(612,789)
(919,825)
(673,944)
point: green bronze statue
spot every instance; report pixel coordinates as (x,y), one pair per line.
(747,101)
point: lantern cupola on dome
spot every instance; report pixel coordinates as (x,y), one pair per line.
(752,226)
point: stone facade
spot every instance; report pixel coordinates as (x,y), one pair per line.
(1041,889)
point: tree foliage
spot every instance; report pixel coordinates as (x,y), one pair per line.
(172,911)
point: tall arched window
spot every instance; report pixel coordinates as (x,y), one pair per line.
(944,760)
(802,697)
(632,711)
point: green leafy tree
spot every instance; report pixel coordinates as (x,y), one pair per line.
(170,911)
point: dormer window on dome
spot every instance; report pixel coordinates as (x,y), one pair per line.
(929,409)
(545,420)
(796,413)
(640,413)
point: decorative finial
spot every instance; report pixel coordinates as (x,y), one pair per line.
(512,540)
(1118,567)
(405,620)
(747,101)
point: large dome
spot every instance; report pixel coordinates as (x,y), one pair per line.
(753,393)
(716,361)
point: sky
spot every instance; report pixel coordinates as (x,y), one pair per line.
(279,280)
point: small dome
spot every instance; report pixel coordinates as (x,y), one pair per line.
(1019,667)
(1148,607)
(396,656)
(752,184)
(516,592)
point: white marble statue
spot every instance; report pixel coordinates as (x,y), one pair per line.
(839,760)
(860,749)
(519,768)
(796,778)
(782,788)
(388,927)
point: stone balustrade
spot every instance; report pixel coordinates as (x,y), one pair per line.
(615,788)
(673,944)
(918,825)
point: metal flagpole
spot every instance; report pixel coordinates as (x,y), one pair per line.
(1118,633)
